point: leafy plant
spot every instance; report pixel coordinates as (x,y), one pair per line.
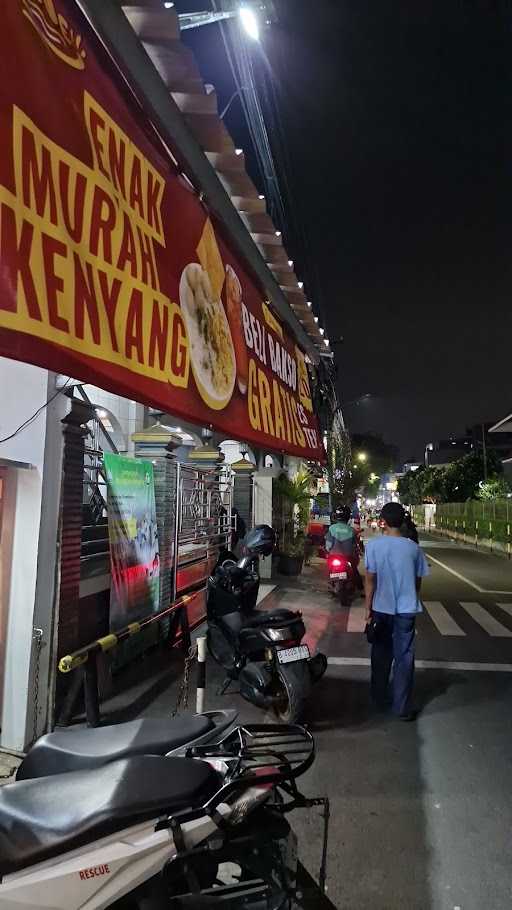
(294,497)
(295,546)
(494,488)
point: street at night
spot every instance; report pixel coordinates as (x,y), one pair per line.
(420,812)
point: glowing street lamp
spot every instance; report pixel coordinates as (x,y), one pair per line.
(249,21)
(428,448)
(362,456)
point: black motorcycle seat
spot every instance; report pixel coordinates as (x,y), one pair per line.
(41,819)
(233,621)
(270,618)
(237,621)
(75,750)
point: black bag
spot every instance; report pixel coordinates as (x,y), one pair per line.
(372,630)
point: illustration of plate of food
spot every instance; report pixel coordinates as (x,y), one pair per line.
(234,313)
(212,353)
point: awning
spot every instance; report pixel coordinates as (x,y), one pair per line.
(112,268)
(503,426)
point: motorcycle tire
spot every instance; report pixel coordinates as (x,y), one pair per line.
(220,648)
(294,684)
(345,596)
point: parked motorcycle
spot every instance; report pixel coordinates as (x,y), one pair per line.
(85,749)
(342,578)
(262,649)
(153,832)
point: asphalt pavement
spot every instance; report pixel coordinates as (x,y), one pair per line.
(420,812)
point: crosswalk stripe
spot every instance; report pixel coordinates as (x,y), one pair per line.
(356,619)
(507,608)
(484,619)
(441,618)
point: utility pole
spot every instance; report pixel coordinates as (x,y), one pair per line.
(484,447)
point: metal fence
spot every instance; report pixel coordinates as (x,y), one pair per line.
(474,521)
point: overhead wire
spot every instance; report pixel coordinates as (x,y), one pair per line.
(242,70)
(257,91)
(36,414)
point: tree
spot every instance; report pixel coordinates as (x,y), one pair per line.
(411,487)
(434,485)
(495,488)
(382,456)
(339,469)
(455,482)
(371,458)
(463,477)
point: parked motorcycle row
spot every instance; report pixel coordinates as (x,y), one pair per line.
(182,813)
(261,649)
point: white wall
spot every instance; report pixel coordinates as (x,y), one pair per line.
(262,510)
(129,413)
(232,451)
(20,536)
(24,389)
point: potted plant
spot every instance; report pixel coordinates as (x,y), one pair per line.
(294,506)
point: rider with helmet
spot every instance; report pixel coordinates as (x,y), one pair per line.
(341,538)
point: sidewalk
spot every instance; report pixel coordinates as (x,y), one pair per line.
(484,545)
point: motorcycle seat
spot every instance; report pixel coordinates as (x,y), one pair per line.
(270,618)
(42,819)
(75,750)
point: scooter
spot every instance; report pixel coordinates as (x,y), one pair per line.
(342,578)
(85,749)
(263,650)
(153,832)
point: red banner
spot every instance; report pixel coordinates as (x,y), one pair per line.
(111,270)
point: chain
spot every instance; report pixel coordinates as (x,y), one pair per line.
(37,638)
(182,699)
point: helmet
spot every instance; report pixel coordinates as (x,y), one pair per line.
(260,540)
(341,514)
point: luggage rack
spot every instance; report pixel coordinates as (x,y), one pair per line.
(257,754)
(273,754)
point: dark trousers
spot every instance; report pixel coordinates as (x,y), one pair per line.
(394,645)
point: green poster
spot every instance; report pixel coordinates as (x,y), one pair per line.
(132,528)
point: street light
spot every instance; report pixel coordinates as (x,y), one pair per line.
(428,448)
(362,456)
(250,13)
(250,22)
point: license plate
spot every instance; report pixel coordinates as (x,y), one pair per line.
(287,655)
(338,575)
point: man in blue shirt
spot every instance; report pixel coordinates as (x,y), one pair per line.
(395,567)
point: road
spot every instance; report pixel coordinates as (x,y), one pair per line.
(467,610)
(421,812)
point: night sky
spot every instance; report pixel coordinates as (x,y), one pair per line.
(398,118)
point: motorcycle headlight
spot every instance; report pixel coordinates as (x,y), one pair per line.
(278,634)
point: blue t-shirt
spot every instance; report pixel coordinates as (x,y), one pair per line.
(397,562)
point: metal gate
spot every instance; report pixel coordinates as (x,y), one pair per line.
(204,524)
